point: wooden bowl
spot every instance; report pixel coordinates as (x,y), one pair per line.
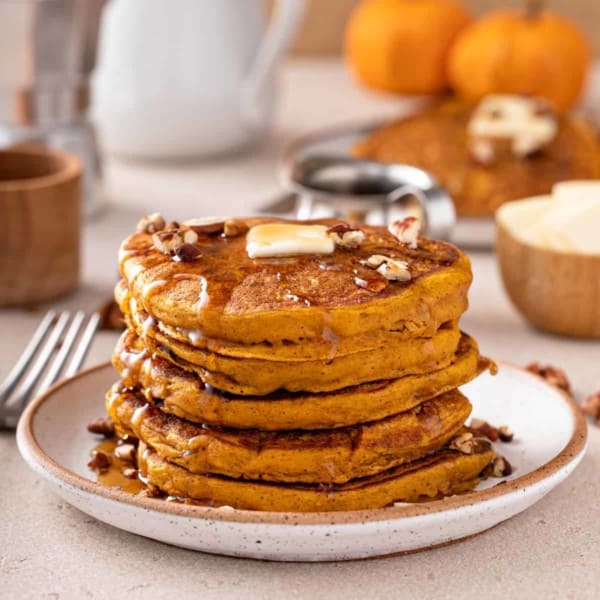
(40,214)
(558,292)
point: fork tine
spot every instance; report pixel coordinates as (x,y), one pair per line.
(63,353)
(44,356)
(84,345)
(25,359)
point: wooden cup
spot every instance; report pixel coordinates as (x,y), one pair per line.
(40,195)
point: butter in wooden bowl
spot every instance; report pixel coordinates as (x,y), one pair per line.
(548,250)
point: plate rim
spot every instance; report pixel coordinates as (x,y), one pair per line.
(32,451)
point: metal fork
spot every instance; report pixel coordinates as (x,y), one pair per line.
(61,335)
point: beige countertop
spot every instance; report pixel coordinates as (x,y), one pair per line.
(50,550)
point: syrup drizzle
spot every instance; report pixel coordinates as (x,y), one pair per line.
(225,275)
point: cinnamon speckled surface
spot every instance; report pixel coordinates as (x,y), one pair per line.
(50,550)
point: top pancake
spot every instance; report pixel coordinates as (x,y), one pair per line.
(436,139)
(225,294)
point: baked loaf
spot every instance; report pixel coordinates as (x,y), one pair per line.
(438,140)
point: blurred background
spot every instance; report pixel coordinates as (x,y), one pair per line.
(322,30)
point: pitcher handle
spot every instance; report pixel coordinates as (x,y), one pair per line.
(284,22)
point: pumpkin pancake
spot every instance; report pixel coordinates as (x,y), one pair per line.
(227,295)
(440,474)
(326,380)
(436,139)
(260,377)
(182,393)
(326,456)
(325,348)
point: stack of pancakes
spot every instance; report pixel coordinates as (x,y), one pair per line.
(298,383)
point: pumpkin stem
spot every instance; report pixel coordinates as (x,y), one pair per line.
(533,8)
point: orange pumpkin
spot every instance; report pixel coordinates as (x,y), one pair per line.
(535,52)
(402,45)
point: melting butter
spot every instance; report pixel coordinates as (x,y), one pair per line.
(515,118)
(285,239)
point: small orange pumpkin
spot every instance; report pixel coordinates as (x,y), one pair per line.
(535,52)
(402,45)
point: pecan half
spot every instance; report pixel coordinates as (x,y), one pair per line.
(206,226)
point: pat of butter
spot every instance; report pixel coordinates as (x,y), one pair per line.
(285,239)
(515,118)
(570,220)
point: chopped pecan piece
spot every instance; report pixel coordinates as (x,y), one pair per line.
(375,261)
(467,443)
(130,473)
(553,375)
(464,443)
(345,236)
(391,268)
(111,317)
(406,231)
(190,236)
(591,406)
(234,227)
(187,253)
(126,453)
(485,429)
(167,241)
(100,462)
(150,491)
(372,284)
(102,426)
(170,241)
(151,223)
(505,434)
(500,467)
(395,271)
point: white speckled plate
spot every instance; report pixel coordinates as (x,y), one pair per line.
(550,438)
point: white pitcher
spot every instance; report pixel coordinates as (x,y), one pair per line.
(188,78)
